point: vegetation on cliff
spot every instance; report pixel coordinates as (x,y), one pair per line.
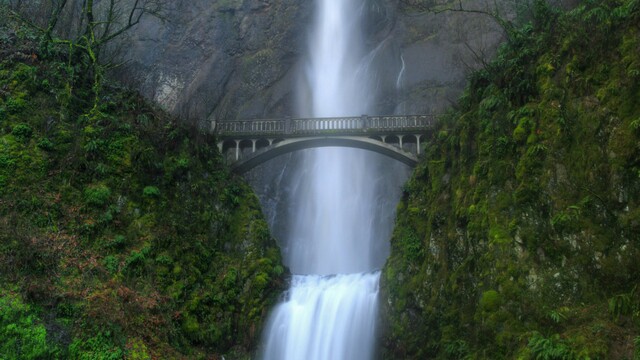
(518,235)
(122,234)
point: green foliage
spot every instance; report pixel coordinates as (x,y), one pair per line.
(624,305)
(46,144)
(151,192)
(123,225)
(559,315)
(118,242)
(15,105)
(490,300)
(552,348)
(524,211)
(98,347)
(458,349)
(23,335)
(97,195)
(111,263)
(22,132)
(137,350)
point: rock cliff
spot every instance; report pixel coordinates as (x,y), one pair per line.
(210,61)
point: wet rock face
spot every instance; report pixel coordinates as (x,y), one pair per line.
(232,59)
(422,58)
(217,60)
(237,59)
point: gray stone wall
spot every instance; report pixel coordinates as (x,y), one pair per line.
(237,59)
(209,60)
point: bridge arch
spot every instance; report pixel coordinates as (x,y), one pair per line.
(293,144)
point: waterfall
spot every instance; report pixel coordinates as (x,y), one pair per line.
(341,207)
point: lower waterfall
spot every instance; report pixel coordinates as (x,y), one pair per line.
(325,317)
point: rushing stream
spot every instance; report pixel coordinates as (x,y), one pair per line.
(340,208)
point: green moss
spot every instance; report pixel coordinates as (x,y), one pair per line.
(151,192)
(97,195)
(23,334)
(22,132)
(126,226)
(490,301)
(100,347)
(526,203)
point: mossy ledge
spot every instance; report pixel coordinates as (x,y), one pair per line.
(122,234)
(518,235)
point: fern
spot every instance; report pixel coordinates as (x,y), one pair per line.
(598,14)
(627,10)
(552,348)
(537,149)
(457,350)
(623,304)
(559,315)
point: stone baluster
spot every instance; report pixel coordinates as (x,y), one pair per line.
(287,125)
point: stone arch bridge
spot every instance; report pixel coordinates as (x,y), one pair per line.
(248,143)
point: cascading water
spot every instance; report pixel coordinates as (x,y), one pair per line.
(341,209)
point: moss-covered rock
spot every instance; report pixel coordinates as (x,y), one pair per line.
(517,235)
(122,232)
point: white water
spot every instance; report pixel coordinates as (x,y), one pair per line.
(325,318)
(342,208)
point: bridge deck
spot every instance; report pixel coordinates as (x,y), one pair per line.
(356,125)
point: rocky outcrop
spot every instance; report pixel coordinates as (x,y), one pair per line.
(516,237)
(237,58)
(210,61)
(217,60)
(424,58)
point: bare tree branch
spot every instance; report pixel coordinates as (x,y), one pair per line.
(458,7)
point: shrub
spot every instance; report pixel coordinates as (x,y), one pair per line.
(100,347)
(118,242)
(97,195)
(137,350)
(22,336)
(22,132)
(14,106)
(552,348)
(46,144)
(490,300)
(151,192)
(111,263)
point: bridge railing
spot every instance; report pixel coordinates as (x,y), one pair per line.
(251,127)
(319,126)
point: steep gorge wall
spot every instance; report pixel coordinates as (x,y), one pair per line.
(210,61)
(518,234)
(207,61)
(223,59)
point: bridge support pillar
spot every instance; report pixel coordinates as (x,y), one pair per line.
(237,150)
(400,140)
(220,144)
(418,142)
(253,141)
